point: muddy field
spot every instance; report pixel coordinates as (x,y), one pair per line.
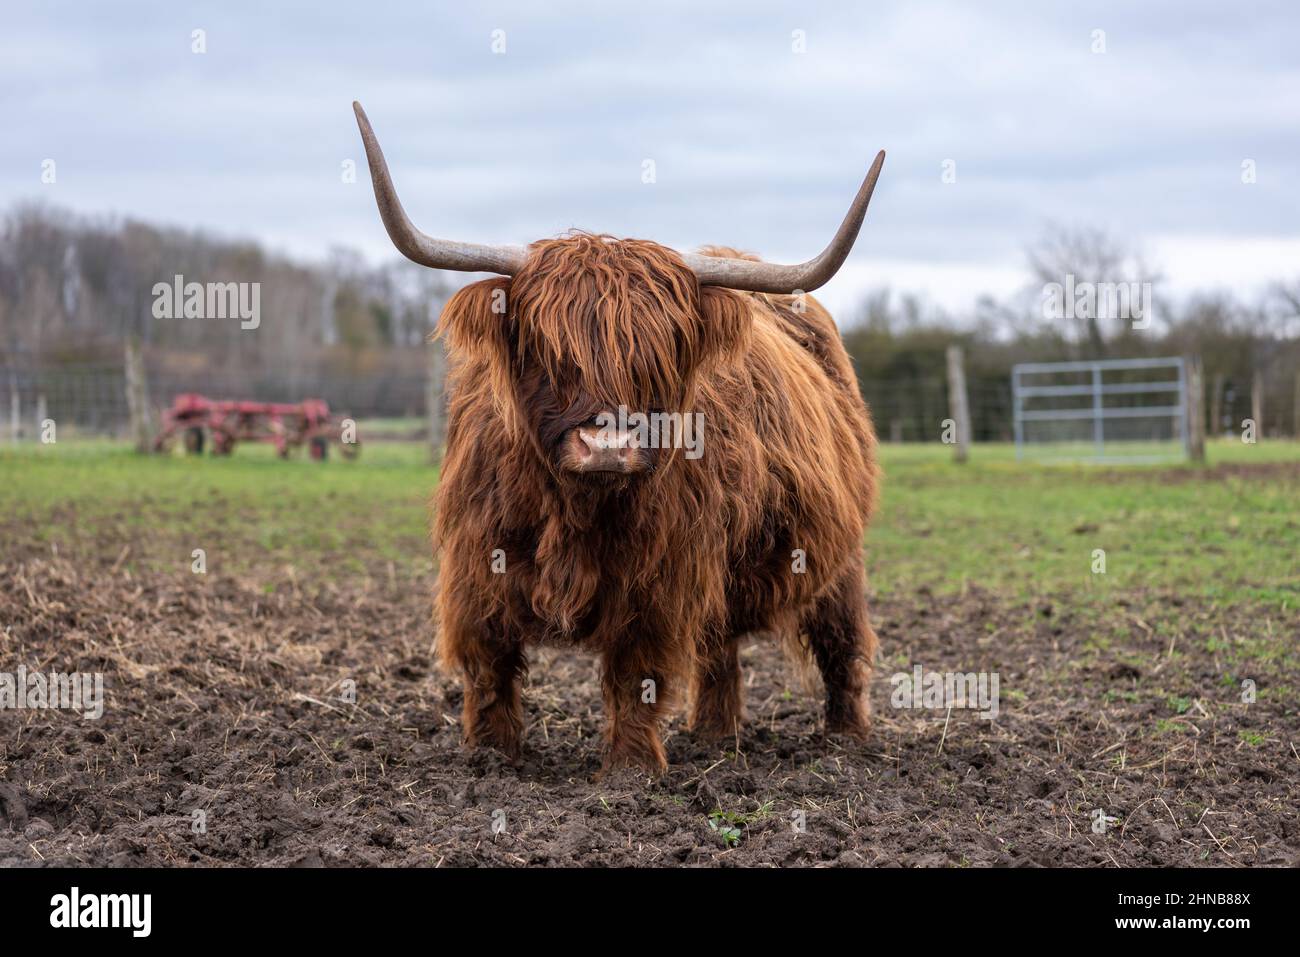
(228,696)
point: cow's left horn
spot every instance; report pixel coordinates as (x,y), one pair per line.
(773,277)
(415,245)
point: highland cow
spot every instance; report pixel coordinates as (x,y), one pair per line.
(554,525)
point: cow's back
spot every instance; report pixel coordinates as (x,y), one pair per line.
(789,427)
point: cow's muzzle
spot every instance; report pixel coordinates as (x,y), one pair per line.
(591,448)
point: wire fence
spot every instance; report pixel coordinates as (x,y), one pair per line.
(914,409)
(91,397)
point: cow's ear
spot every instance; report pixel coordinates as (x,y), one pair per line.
(727,321)
(475,319)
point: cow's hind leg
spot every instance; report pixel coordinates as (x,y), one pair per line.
(716,700)
(844,646)
(493,668)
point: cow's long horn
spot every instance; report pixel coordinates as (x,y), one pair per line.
(773,277)
(415,245)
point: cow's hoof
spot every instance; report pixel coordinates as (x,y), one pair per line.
(710,732)
(856,729)
(503,742)
(483,758)
(651,762)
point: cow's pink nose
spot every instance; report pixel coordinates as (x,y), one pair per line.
(592,449)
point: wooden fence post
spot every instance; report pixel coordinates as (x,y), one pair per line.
(1216,406)
(1195,409)
(137,397)
(958,403)
(435,401)
(1295,412)
(15,410)
(1257,403)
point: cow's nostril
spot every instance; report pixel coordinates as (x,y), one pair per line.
(579,445)
(600,450)
(593,441)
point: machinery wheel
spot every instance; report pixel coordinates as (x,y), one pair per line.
(194,440)
(320,448)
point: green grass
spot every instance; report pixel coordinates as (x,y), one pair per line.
(1022,529)
(1029,528)
(262,508)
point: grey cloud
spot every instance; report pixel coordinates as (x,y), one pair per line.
(753,144)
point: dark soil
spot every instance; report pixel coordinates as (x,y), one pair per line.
(1254,471)
(226,696)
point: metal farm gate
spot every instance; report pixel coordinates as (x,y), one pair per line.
(1109,410)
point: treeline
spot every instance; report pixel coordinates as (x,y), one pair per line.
(899,351)
(73,289)
(898,343)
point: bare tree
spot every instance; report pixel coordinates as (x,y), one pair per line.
(1089,255)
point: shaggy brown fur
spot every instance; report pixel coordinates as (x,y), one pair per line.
(660,573)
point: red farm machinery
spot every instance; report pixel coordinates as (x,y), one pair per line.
(200,421)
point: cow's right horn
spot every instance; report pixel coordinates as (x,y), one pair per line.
(774,277)
(415,245)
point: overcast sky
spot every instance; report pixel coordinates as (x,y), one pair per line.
(753,144)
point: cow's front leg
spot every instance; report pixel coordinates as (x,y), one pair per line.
(716,706)
(493,668)
(635,697)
